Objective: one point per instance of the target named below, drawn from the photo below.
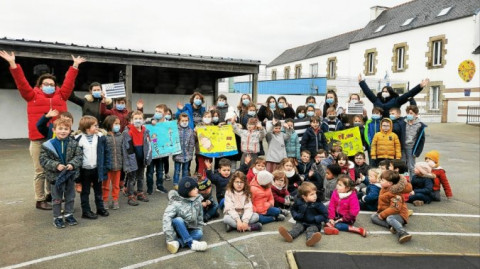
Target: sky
(248, 29)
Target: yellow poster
(349, 139)
(215, 141)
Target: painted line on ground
(432, 214)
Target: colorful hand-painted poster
(216, 141)
(349, 139)
(165, 139)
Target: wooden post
(445, 111)
(128, 85)
(254, 87)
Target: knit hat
(423, 168)
(264, 178)
(204, 184)
(185, 185)
(433, 155)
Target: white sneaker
(173, 246)
(199, 245)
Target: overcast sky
(247, 29)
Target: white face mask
(290, 173)
(385, 94)
(184, 124)
(207, 120)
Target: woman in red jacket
(40, 99)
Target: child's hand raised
(310, 173)
(285, 126)
(208, 164)
(179, 105)
(140, 104)
(52, 113)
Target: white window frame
(331, 69)
(371, 62)
(314, 70)
(437, 47)
(434, 97)
(400, 58)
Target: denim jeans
(89, 179)
(410, 161)
(270, 215)
(135, 177)
(158, 166)
(68, 190)
(420, 196)
(185, 235)
(298, 228)
(184, 167)
(341, 226)
(396, 221)
(210, 210)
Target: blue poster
(165, 139)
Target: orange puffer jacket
(262, 198)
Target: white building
(401, 45)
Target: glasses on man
(48, 84)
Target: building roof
(423, 12)
(319, 48)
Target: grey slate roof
(425, 14)
(322, 47)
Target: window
(286, 72)
(434, 98)
(380, 28)
(314, 70)
(408, 21)
(332, 68)
(370, 64)
(298, 71)
(400, 58)
(437, 53)
(274, 74)
(444, 11)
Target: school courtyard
(132, 237)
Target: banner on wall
(216, 141)
(349, 139)
(164, 138)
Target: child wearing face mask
(206, 121)
(216, 117)
(166, 163)
(372, 126)
(187, 143)
(331, 123)
(385, 144)
(313, 139)
(251, 112)
(331, 101)
(414, 137)
(222, 107)
(194, 109)
(301, 121)
(137, 153)
(115, 145)
(119, 110)
(90, 104)
(276, 140)
(251, 138)
(358, 122)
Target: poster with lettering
(216, 141)
(349, 139)
(165, 139)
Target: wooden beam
(473, 99)
(128, 85)
(456, 90)
(254, 87)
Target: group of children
(297, 176)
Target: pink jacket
(346, 208)
(236, 204)
(262, 198)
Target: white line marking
(431, 233)
(432, 214)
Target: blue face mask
(330, 100)
(48, 89)
(301, 115)
(116, 128)
(272, 106)
(137, 123)
(120, 106)
(392, 117)
(197, 102)
(168, 117)
(281, 105)
(221, 104)
(310, 113)
(251, 113)
(410, 117)
(158, 116)
(311, 104)
(245, 102)
(376, 117)
(97, 94)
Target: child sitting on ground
(348, 168)
(220, 178)
(281, 196)
(368, 199)
(309, 172)
(422, 183)
(331, 177)
(392, 210)
(259, 165)
(332, 157)
(309, 215)
(238, 211)
(361, 167)
(208, 203)
(432, 158)
(287, 165)
(343, 209)
(262, 199)
(183, 217)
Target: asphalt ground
(132, 237)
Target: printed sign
(165, 139)
(216, 141)
(355, 109)
(349, 139)
(114, 90)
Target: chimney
(376, 11)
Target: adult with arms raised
(45, 95)
(388, 98)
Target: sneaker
(280, 217)
(132, 200)
(198, 245)
(141, 197)
(59, 223)
(285, 234)
(410, 212)
(173, 246)
(392, 230)
(418, 203)
(78, 187)
(89, 215)
(404, 237)
(161, 189)
(314, 239)
(115, 205)
(168, 178)
(103, 213)
(255, 227)
(70, 220)
(285, 212)
(228, 228)
(175, 187)
(330, 230)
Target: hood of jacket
(389, 122)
